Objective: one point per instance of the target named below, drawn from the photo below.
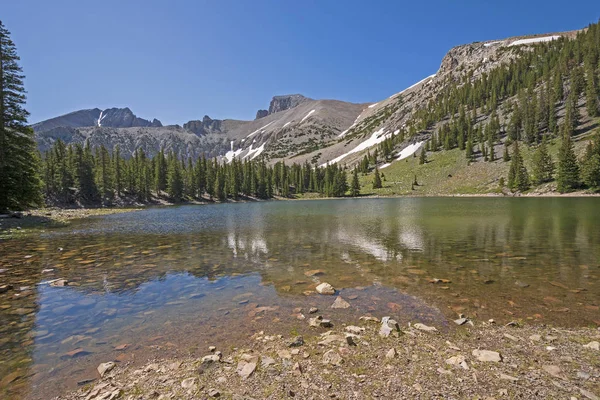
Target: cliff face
(282, 103)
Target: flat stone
(340, 303)
(266, 361)
(460, 321)
(423, 327)
(325, 288)
(297, 342)
(508, 378)
(313, 310)
(521, 284)
(535, 338)
(487, 355)
(553, 370)
(511, 337)
(325, 323)
(357, 330)
(588, 394)
(246, 369)
(59, 283)
(458, 361)
(285, 354)
(188, 383)
(333, 358)
(214, 393)
(211, 358)
(592, 345)
(105, 368)
(391, 354)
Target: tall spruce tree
(377, 179)
(20, 185)
(355, 186)
(543, 167)
(567, 177)
(518, 178)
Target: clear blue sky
(179, 60)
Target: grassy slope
(448, 173)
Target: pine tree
(505, 155)
(591, 94)
(20, 185)
(543, 167)
(377, 179)
(423, 156)
(469, 149)
(355, 186)
(567, 178)
(518, 178)
(174, 178)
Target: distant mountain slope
(296, 128)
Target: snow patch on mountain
(376, 138)
(405, 153)
(373, 105)
(308, 115)
(534, 40)
(258, 130)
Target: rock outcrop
(285, 102)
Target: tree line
(79, 174)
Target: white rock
(487, 355)
(423, 327)
(508, 378)
(245, 369)
(212, 358)
(357, 330)
(105, 368)
(592, 345)
(188, 383)
(332, 357)
(325, 288)
(458, 361)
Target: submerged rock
(340, 303)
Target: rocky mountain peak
(204, 127)
(261, 114)
(285, 102)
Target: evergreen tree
(20, 185)
(355, 186)
(518, 178)
(543, 167)
(377, 179)
(174, 178)
(423, 156)
(505, 155)
(469, 149)
(567, 178)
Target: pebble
(246, 369)
(460, 321)
(508, 378)
(391, 354)
(214, 393)
(297, 342)
(313, 310)
(458, 361)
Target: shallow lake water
(172, 281)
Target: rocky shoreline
(372, 357)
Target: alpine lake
(171, 281)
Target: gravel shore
(373, 358)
